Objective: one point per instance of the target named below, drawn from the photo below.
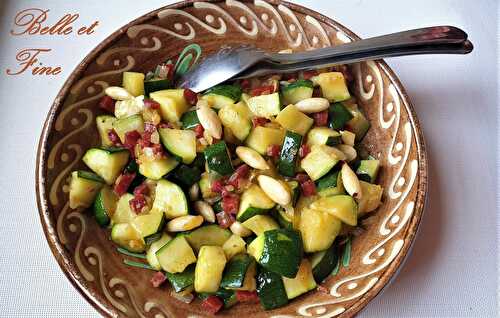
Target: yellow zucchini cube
(294, 120)
(133, 82)
(333, 86)
(318, 229)
(262, 137)
(209, 268)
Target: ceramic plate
(184, 33)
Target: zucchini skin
(155, 84)
(338, 116)
(183, 280)
(326, 265)
(328, 181)
(231, 91)
(235, 271)
(271, 290)
(280, 257)
(289, 154)
(190, 120)
(185, 176)
(218, 159)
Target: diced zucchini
(302, 282)
(218, 159)
(294, 120)
(297, 91)
(260, 223)
(123, 212)
(179, 142)
(320, 161)
(175, 255)
(279, 251)
(153, 248)
(182, 281)
(190, 120)
(249, 282)
(155, 84)
(83, 188)
(233, 246)
(170, 199)
(208, 235)
(127, 237)
(105, 206)
(172, 104)
(107, 163)
(330, 184)
(133, 82)
(148, 225)
(333, 86)
(271, 291)
(104, 125)
(338, 116)
(261, 138)
(185, 176)
(368, 170)
(324, 262)
(294, 187)
(318, 229)
(323, 136)
(284, 220)
(358, 124)
(221, 96)
(289, 154)
(372, 196)
(128, 124)
(236, 117)
(206, 186)
(253, 202)
(341, 206)
(157, 168)
(265, 105)
(236, 269)
(209, 269)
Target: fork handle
(262, 69)
(437, 35)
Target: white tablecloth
(452, 270)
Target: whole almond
(275, 190)
(350, 181)
(209, 120)
(349, 152)
(118, 93)
(239, 229)
(251, 158)
(313, 105)
(205, 210)
(184, 223)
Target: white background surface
(452, 271)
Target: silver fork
(241, 61)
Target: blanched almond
(205, 210)
(251, 158)
(194, 191)
(349, 152)
(118, 93)
(350, 181)
(275, 190)
(209, 120)
(313, 105)
(184, 223)
(239, 229)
